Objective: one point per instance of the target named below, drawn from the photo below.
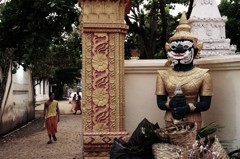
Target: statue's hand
(180, 112)
(177, 101)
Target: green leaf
(52, 4)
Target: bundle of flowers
(208, 148)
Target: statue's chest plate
(190, 82)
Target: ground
(30, 141)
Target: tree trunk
(190, 7)
(164, 25)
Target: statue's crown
(183, 31)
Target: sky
(181, 8)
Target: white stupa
(208, 25)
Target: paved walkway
(30, 141)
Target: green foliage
(130, 43)
(150, 25)
(40, 35)
(71, 52)
(231, 9)
(207, 130)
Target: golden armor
(195, 82)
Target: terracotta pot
(134, 53)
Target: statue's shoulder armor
(163, 73)
(202, 71)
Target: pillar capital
(104, 11)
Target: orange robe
(51, 118)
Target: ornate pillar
(103, 33)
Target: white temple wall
(140, 99)
(42, 91)
(209, 27)
(17, 105)
(212, 30)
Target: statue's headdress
(183, 32)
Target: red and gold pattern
(103, 33)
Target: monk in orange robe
(52, 115)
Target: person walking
(73, 102)
(78, 104)
(51, 114)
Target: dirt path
(30, 142)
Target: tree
(41, 35)
(150, 24)
(65, 58)
(69, 71)
(31, 27)
(231, 9)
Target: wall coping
(219, 63)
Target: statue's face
(181, 52)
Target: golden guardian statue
(184, 90)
